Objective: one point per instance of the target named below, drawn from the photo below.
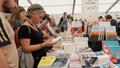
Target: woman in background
(17, 17)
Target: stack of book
(93, 61)
(108, 65)
(68, 39)
(89, 60)
(74, 58)
(111, 33)
(61, 61)
(97, 33)
(104, 24)
(71, 49)
(74, 61)
(75, 65)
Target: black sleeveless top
(36, 37)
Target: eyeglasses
(40, 16)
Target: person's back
(114, 23)
(16, 24)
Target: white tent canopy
(59, 6)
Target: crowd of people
(113, 22)
(26, 36)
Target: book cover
(75, 65)
(108, 65)
(47, 61)
(59, 63)
(113, 51)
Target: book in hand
(56, 39)
(46, 61)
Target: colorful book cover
(47, 61)
(59, 63)
(112, 43)
(110, 29)
(99, 53)
(118, 65)
(89, 61)
(108, 65)
(75, 65)
(112, 50)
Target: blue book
(111, 43)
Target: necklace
(33, 26)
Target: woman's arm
(25, 43)
(3, 61)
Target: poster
(90, 9)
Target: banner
(90, 9)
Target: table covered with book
(100, 50)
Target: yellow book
(47, 61)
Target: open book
(57, 39)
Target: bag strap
(28, 28)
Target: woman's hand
(46, 36)
(48, 43)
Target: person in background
(83, 24)
(100, 19)
(31, 37)
(69, 19)
(63, 22)
(48, 29)
(17, 17)
(113, 21)
(69, 23)
(43, 26)
(51, 28)
(118, 31)
(8, 51)
(72, 18)
(76, 20)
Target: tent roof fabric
(60, 6)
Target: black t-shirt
(36, 37)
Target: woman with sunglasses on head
(31, 37)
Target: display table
(78, 49)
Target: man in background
(8, 51)
(63, 22)
(112, 21)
